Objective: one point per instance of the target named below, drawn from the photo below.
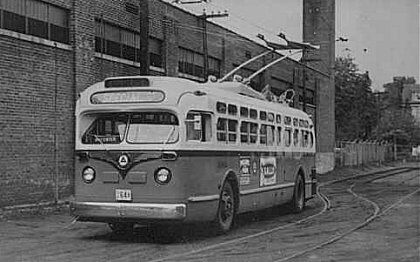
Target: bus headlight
(88, 175)
(163, 175)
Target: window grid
(221, 129)
(116, 41)
(263, 135)
(214, 67)
(191, 63)
(35, 18)
(279, 135)
(156, 53)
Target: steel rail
(327, 206)
(377, 213)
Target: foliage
(355, 113)
(361, 114)
(396, 122)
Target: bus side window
(270, 135)
(232, 110)
(305, 138)
(263, 134)
(198, 126)
(253, 133)
(221, 107)
(296, 137)
(206, 127)
(311, 139)
(253, 114)
(244, 112)
(244, 132)
(278, 119)
(193, 125)
(221, 129)
(232, 129)
(287, 136)
(279, 135)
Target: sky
(383, 34)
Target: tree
(396, 122)
(356, 112)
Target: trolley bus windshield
(137, 128)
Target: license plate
(123, 194)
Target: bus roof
(177, 92)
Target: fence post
(395, 148)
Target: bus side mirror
(197, 122)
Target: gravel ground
(394, 236)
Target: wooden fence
(356, 153)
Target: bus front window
(106, 129)
(153, 127)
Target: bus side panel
(205, 172)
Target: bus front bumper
(100, 211)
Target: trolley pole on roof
(297, 47)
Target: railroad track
(376, 214)
(367, 178)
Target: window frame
(105, 45)
(156, 55)
(31, 21)
(193, 64)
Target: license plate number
(123, 194)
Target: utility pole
(204, 18)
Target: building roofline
(242, 36)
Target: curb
(43, 208)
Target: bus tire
(226, 211)
(121, 228)
(298, 200)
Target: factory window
(35, 18)
(116, 41)
(214, 67)
(310, 97)
(155, 52)
(191, 63)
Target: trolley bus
(153, 150)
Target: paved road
(394, 236)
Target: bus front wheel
(227, 208)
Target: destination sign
(139, 96)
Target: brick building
(411, 100)
(50, 50)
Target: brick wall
(29, 75)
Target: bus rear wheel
(227, 209)
(121, 228)
(298, 201)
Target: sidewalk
(343, 172)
